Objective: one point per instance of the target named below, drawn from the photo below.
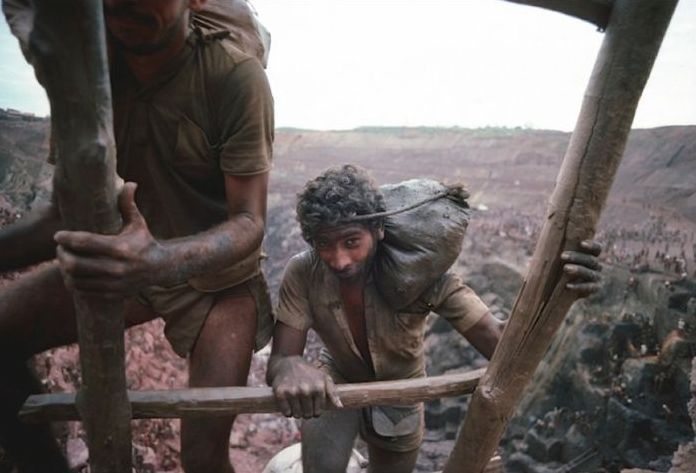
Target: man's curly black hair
(335, 196)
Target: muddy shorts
(185, 309)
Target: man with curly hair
(331, 288)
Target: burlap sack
(238, 18)
(420, 244)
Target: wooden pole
(211, 402)
(633, 38)
(67, 47)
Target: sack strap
(455, 192)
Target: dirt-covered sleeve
(450, 298)
(245, 115)
(293, 300)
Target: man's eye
(322, 244)
(352, 243)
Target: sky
(340, 64)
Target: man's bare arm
(583, 267)
(301, 389)
(485, 334)
(287, 342)
(227, 243)
(30, 240)
(121, 265)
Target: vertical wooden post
(67, 47)
(632, 41)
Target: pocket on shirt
(193, 155)
(395, 421)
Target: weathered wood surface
(67, 48)
(633, 38)
(595, 11)
(495, 465)
(207, 402)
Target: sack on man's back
(238, 18)
(420, 244)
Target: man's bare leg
(221, 357)
(386, 461)
(327, 441)
(36, 313)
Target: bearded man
(193, 120)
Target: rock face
(684, 460)
(612, 391)
(25, 176)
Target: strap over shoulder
(240, 21)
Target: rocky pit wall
(612, 391)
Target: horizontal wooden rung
(210, 402)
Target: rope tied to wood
(454, 192)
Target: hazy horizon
(367, 128)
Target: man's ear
(380, 233)
(196, 5)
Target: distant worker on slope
(193, 119)
(332, 288)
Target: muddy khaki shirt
(310, 298)
(209, 114)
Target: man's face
(347, 249)
(145, 26)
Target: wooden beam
(67, 47)
(632, 41)
(596, 12)
(211, 402)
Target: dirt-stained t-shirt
(310, 297)
(210, 113)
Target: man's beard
(365, 267)
(147, 49)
